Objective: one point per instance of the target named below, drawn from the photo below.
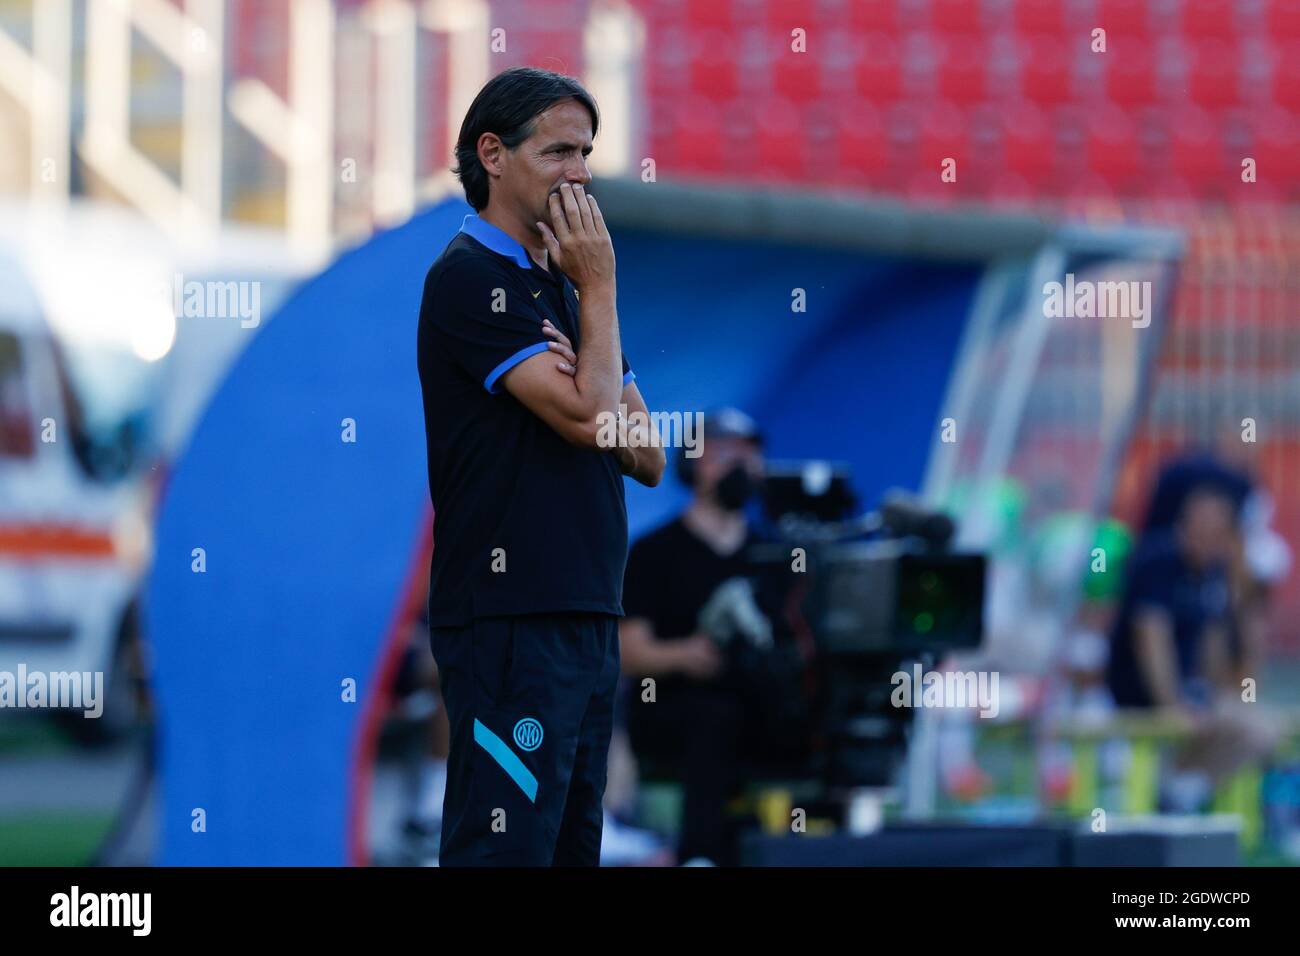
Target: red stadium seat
(1197, 151)
(794, 75)
(1028, 148)
(785, 15)
(798, 12)
(1046, 70)
(874, 16)
(1276, 148)
(697, 137)
(713, 66)
(1123, 18)
(1112, 147)
(1286, 77)
(1130, 79)
(861, 144)
(1283, 19)
(941, 134)
(956, 16)
(1215, 75)
(879, 72)
(1040, 17)
(963, 70)
(739, 139)
(781, 141)
(1209, 19)
(1070, 136)
(710, 14)
(983, 141)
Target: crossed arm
(548, 385)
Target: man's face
(720, 454)
(1207, 529)
(555, 154)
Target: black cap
(728, 422)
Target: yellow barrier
(1146, 732)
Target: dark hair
(508, 105)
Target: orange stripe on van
(53, 541)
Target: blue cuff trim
(490, 383)
(629, 376)
(498, 751)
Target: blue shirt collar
(496, 240)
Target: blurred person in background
(693, 624)
(1171, 647)
(1260, 560)
(417, 699)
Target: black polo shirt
(1159, 577)
(524, 522)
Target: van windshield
(16, 425)
(104, 438)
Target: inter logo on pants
(528, 734)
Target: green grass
(31, 736)
(39, 838)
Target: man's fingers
(564, 351)
(597, 219)
(567, 369)
(549, 240)
(559, 224)
(571, 208)
(559, 336)
(584, 210)
(562, 347)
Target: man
(1263, 558)
(1175, 607)
(1170, 647)
(694, 628)
(521, 370)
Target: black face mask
(734, 488)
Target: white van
(74, 524)
(101, 384)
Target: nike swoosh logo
(537, 293)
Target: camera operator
(693, 625)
